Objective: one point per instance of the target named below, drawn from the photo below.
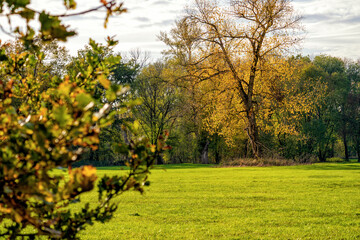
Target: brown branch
(6, 32)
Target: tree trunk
(246, 150)
(205, 153)
(159, 159)
(358, 150)
(322, 155)
(217, 153)
(91, 157)
(345, 144)
(332, 150)
(96, 155)
(253, 134)
(217, 156)
(125, 136)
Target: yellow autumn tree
(230, 51)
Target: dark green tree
(328, 118)
(158, 102)
(353, 105)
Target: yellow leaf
(4, 210)
(88, 171)
(49, 198)
(18, 217)
(104, 81)
(136, 125)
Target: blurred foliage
(51, 25)
(50, 115)
(51, 129)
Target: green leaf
(27, 14)
(84, 99)
(70, 4)
(21, 3)
(51, 28)
(110, 95)
(3, 55)
(61, 116)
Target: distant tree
(353, 105)
(327, 78)
(53, 59)
(156, 112)
(50, 64)
(122, 74)
(287, 98)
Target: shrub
(47, 122)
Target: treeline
(313, 113)
(306, 110)
(226, 89)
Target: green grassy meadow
(320, 201)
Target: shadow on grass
(182, 166)
(316, 166)
(117, 168)
(164, 167)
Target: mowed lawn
(320, 201)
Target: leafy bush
(48, 122)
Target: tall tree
(156, 113)
(353, 105)
(234, 44)
(326, 77)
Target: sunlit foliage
(47, 121)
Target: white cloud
(333, 26)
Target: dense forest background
(309, 109)
(311, 114)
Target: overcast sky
(332, 26)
